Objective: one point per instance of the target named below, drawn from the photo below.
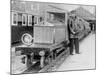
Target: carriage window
(19, 19)
(24, 17)
(35, 20)
(14, 18)
(29, 20)
(41, 19)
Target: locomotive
(44, 34)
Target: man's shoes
(78, 53)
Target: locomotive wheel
(27, 39)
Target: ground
(84, 60)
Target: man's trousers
(74, 42)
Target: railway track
(50, 67)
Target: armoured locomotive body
(48, 41)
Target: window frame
(12, 19)
(36, 20)
(29, 17)
(24, 15)
(19, 20)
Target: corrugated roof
(53, 8)
(83, 13)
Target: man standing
(73, 34)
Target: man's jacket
(73, 28)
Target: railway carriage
(21, 23)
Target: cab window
(50, 17)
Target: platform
(84, 60)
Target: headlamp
(41, 53)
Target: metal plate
(49, 34)
(43, 34)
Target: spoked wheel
(27, 39)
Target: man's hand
(74, 33)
